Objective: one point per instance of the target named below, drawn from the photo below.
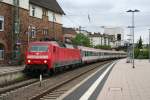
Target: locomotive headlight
(45, 61)
(29, 61)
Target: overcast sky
(110, 13)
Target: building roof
(101, 35)
(69, 31)
(96, 35)
(48, 4)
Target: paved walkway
(126, 83)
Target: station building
(23, 21)
(101, 39)
(118, 34)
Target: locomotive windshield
(38, 48)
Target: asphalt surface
(77, 94)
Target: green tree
(81, 39)
(107, 47)
(140, 43)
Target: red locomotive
(49, 56)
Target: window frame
(2, 20)
(33, 32)
(45, 31)
(33, 11)
(45, 12)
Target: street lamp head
(133, 10)
(129, 11)
(136, 10)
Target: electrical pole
(54, 25)
(149, 45)
(130, 47)
(16, 20)
(16, 28)
(80, 29)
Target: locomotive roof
(55, 43)
(45, 43)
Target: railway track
(56, 84)
(57, 93)
(59, 89)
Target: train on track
(50, 56)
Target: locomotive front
(38, 57)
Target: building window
(1, 23)
(33, 32)
(45, 31)
(105, 41)
(33, 11)
(54, 17)
(45, 12)
(16, 2)
(1, 52)
(118, 37)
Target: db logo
(37, 53)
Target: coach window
(90, 53)
(85, 53)
(1, 23)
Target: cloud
(107, 13)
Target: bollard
(40, 80)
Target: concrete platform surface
(126, 83)
(9, 69)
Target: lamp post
(130, 41)
(129, 51)
(149, 45)
(133, 11)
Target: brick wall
(43, 23)
(5, 36)
(6, 10)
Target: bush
(141, 54)
(136, 52)
(103, 47)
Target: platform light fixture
(133, 26)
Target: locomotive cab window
(38, 48)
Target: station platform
(116, 81)
(126, 83)
(10, 69)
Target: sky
(93, 14)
